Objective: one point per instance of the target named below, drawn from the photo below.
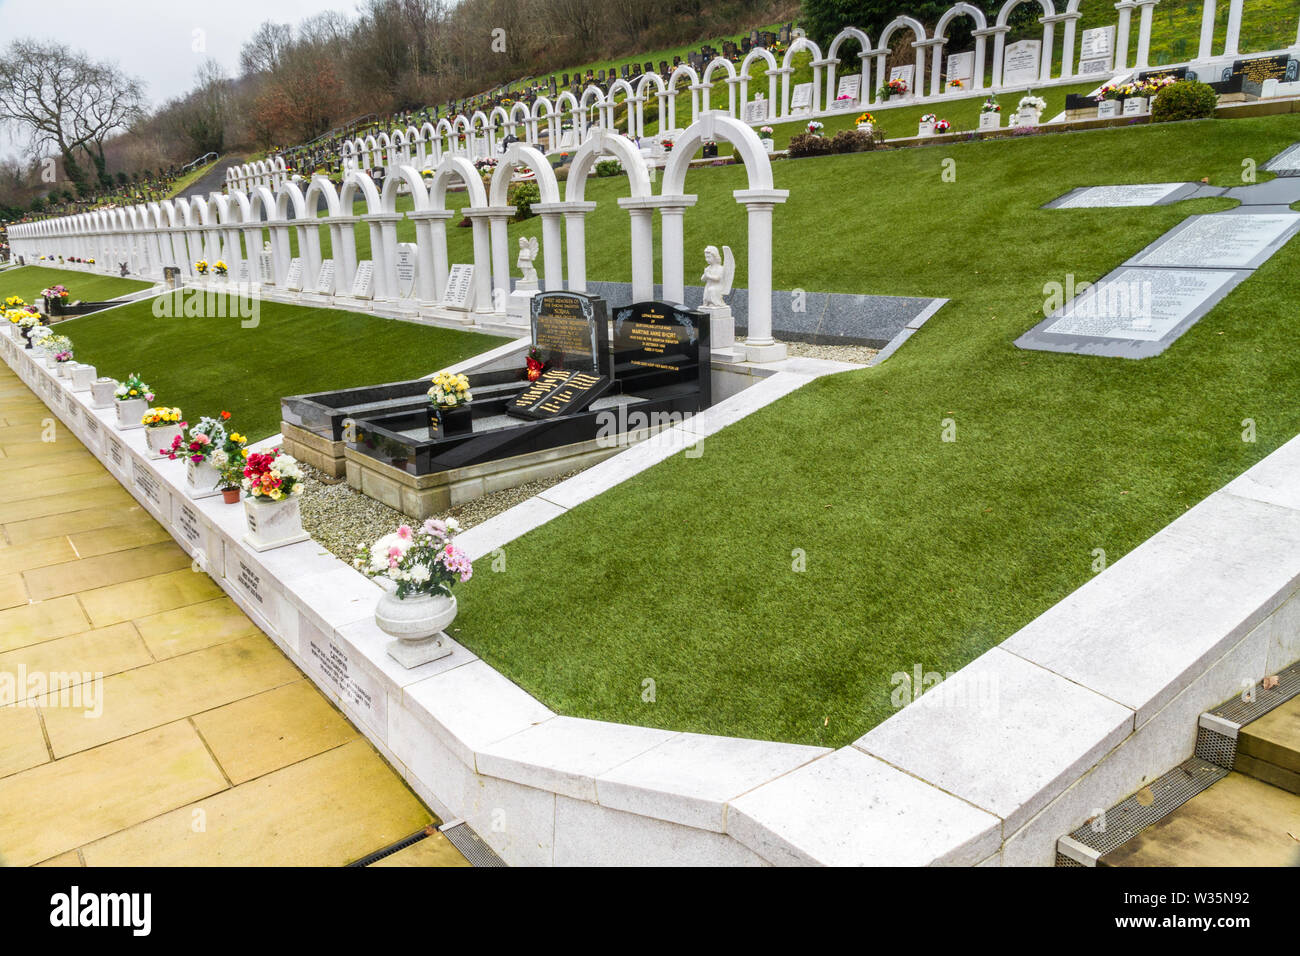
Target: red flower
(225, 416)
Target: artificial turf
(28, 281)
(917, 551)
(206, 364)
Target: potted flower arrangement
(15, 302)
(955, 84)
(161, 427)
(866, 122)
(1029, 110)
(55, 297)
(1109, 101)
(272, 484)
(220, 269)
(40, 336)
(815, 128)
(201, 267)
(895, 87)
(203, 449)
(449, 411)
(61, 347)
(231, 466)
(991, 114)
(27, 326)
(417, 568)
(132, 398)
(942, 126)
(667, 145)
(926, 126)
(844, 101)
(765, 134)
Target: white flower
(419, 574)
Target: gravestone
(1286, 163)
(1146, 194)
(1234, 241)
(848, 86)
(658, 344)
(756, 111)
(570, 334)
(1020, 62)
(663, 67)
(1097, 51)
(293, 281)
(325, 278)
(746, 45)
(243, 270)
(648, 66)
(801, 97)
(459, 292)
(265, 269)
(1177, 72)
(1257, 69)
(906, 74)
(961, 66)
(406, 269)
(363, 283)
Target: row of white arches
(232, 227)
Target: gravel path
(859, 354)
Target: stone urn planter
(83, 377)
(202, 480)
(446, 420)
(63, 369)
(1108, 109)
(272, 524)
(101, 392)
(129, 413)
(417, 622)
(159, 439)
(769, 144)
(866, 128)
(1137, 106)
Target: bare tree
(266, 48)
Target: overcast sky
(154, 40)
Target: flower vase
(83, 377)
(159, 439)
(769, 144)
(201, 479)
(62, 369)
(418, 622)
(1108, 109)
(446, 421)
(130, 412)
(272, 524)
(1136, 106)
(101, 392)
(865, 128)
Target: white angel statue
(527, 258)
(719, 273)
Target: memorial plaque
(570, 331)
(265, 269)
(801, 96)
(848, 86)
(325, 278)
(1097, 50)
(347, 679)
(117, 454)
(405, 269)
(293, 281)
(1177, 72)
(243, 270)
(906, 74)
(363, 284)
(756, 111)
(1091, 197)
(961, 66)
(147, 484)
(1020, 62)
(660, 344)
(1256, 70)
(558, 392)
(1221, 241)
(459, 293)
(1286, 163)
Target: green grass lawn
(28, 281)
(918, 551)
(204, 365)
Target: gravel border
(858, 354)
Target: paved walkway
(181, 735)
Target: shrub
(1187, 99)
(609, 167)
(522, 196)
(852, 141)
(806, 144)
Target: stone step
(1269, 748)
(1239, 821)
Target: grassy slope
(918, 551)
(204, 365)
(28, 282)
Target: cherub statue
(718, 276)
(527, 256)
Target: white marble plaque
(801, 96)
(961, 66)
(265, 270)
(1146, 194)
(459, 293)
(293, 281)
(117, 454)
(186, 520)
(406, 269)
(1141, 305)
(363, 284)
(325, 278)
(352, 683)
(1020, 62)
(906, 74)
(1096, 50)
(243, 270)
(1221, 241)
(1288, 161)
(849, 86)
(147, 484)
(756, 111)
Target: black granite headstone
(1260, 68)
(658, 345)
(570, 331)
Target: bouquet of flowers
(815, 128)
(895, 87)
(667, 144)
(991, 105)
(204, 441)
(133, 387)
(1031, 102)
(26, 321)
(55, 292)
(942, 126)
(929, 118)
(765, 132)
(14, 302)
(162, 417)
(419, 560)
(230, 460)
(272, 475)
(220, 268)
(450, 389)
(955, 84)
(61, 346)
(1153, 86)
(865, 119)
(201, 267)
(533, 365)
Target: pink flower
(404, 532)
(432, 526)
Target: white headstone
(1096, 50)
(406, 269)
(756, 111)
(801, 96)
(848, 86)
(363, 284)
(325, 278)
(243, 270)
(1020, 62)
(265, 268)
(293, 281)
(906, 74)
(459, 293)
(961, 66)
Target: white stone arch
(479, 126)
(759, 199)
(1048, 20)
(730, 78)
(683, 72)
(646, 81)
(521, 155)
(427, 148)
(764, 54)
(833, 63)
(360, 183)
(544, 109)
(593, 97)
(611, 108)
(457, 168)
(639, 205)
(919, 38)
(291, 212)
(804, 44)
(980, 31)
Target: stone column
(759, 344)
(431, 242)
(733, 82)
(1125, 8)
(484, 258)
(919, 72)
(1071, 21)
(1233, 41)
(383, 226)
(999, 46)
(641, 211)
(937, 47)
(981, 49)
(574, 244)
(1049, 38)
(1206, 48)
(671, 211)
(499, 217)
(1145, 7)
(783, 104)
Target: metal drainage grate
(393, 848)
(1129, 817)
(471, 845)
